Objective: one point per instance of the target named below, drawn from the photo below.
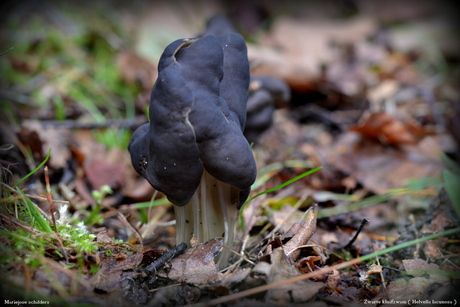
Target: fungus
(265, 94)
(193, 150)
(217, 25)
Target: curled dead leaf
(304, 230)
(333, 280)
(196, 266)
(282, 268)
(387, 129)
(374, 269)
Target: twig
(241, 255)
(50, 201)
(173, 253)
(39, 197)
(382, 277)
(50, 198)
(17, 223)
(363, 222)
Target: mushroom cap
(218, 25)
(265, 94)
(197, 114)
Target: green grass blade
(369, 201)
(409, 243)
(411, 187)
(30, 206)
(450, 164)
(452, 186)
(148, 204)
(266, 173)
(36, 169)
(287, 182)
(6, 51)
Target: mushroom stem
(214, 210)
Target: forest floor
(358, 169)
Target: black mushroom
(193, 150)
(265, 94)
(218, 25)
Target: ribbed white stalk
(211, 213)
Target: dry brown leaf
(136, 70)
(419, 265)
(333, 280)
(40, 139)
(387, 129)
(442, 221)
(99, 173)
(417, 287)
(284, 218)
(380, 168)
(295, 50)
(196, 266)
(374, 269)
(282, 268)
(414, 288)
(303, 232)
(114, 261)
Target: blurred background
(77, 78)
(366, 89)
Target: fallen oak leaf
(419, 267)
(196, 266)
(40, 138)
(166, 257)
(115, 259)
(283, 268)
(387, 129)
(425, 276)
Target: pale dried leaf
(295, 50)
(419, 267)
(302, 235)
(196, 266)
(380, 168)
(414, 288)
(57, 139)
(282, 268)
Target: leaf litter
(371, 113)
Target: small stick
(363, 222)
(173, 253)
(49, 198)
